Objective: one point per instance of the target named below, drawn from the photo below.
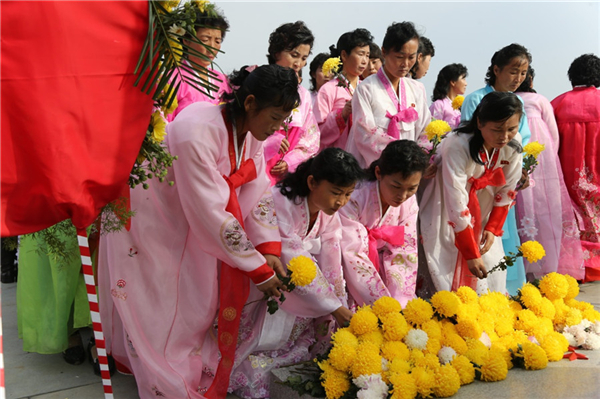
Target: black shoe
(74, 355)
(93, 357)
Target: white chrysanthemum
(586, 324)
(571, 338)
(416, 339)
(596, 327)
(485, 339)
(372, 387)
(446, 354)
(592, 342)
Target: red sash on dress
(491, 177)
(404, 114)
(391, 234)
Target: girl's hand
(275, 263)
(280, 168)
(271, 287)
(347, 110)
(430, 171)
(487, 239)
(285, 146)
(524, 182)
(477, 268)
(342, 315)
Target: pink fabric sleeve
(204, 194)
(261, 225)
(272, 144)
(330, 120)
(437, 109)
(548, 117)
(308, 144)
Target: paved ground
(30, 375)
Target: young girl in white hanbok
(196, 248)
(379, 248)
(465, 205)
(451, 82)
(289, 46)
(306, 203)
(333, 107)
(387, 106)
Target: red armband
(261, 274)
(467, 244)
(270, 248)
(496, 220)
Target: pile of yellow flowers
(433, 348)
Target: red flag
(72, 122)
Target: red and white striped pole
(88, 273)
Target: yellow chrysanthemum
(534, 356)
(430, 361)
(385, 305)
(433, 346)
(505, 353)
(176, 49)
(591, 315)
(342, 356)
(364, 321)
(494, 368)
(455, 342)
(573, 288)
(344, 337)
(436, 129)
(374, 337)
(398, 365)
(424, 380)
(544, 308)
(448, 327)
(561, 310)
(471, 310)
(447, 382)
(494, 303)
(532, 251)
(391, 350)
(415, 356)
(473, 343)
(503, 326)
(533, 148)
(169, 5)
(159, 125)
(554, 286)
(335, 382)
(530, 295)
(404, 386)
(417, 311)
(468, 328)
(477, 355)
(526, 321)
(331, 65)
(367, 360)
(583, 306)
(516, 306)
(458, 102)
(487, 322)
(465, 369)
(555, 345)
(543, 327)
(573, 317)
(433, 329)
(445, 303)
(394, 326)
(303, 270)
(466, 294)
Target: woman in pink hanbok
(451, 82)
(306, 203)
(333, 108)
(289, 46)
(547, 214)
(387, 106)
(379, 246)
(317, 78)
(210, 30)
(195, 248)
(465, 205)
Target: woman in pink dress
(379, 245)
(333, 108)
(195, 248)
(451, 82)
(317, 78)
(578, 118)
(289, 47)
(547, 214)
(306, 203)
(210, 30)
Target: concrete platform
(31, 375)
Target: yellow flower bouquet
(530, 250)
(531, 153)
(301, 272)
(332, 66)
(458, 102)
(436, 131)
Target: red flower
(465, 213)
(452, 224)
(498, 197)
(121, 283)
(512, 194)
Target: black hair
(400, 156)
(271, 85)
(585, 71)
(349, 40)
(449, 73)
(332, 164)
(425, 49)
(287, 37)
(496, 106)
(375, 52)
(502, 58)
(315, 64)
(527, 85)
(398, 34)
(211, 20)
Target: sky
(464, 32)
